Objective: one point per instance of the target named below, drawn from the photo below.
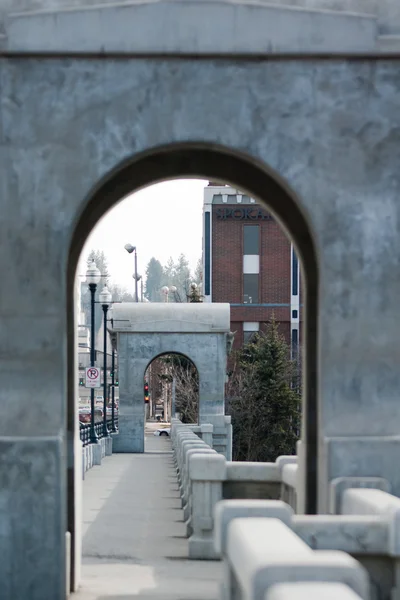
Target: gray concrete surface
(346, 17)
(78, 134)
(192, 27)
(134, 545)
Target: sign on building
(93, 377)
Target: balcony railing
(85, 430)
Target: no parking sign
(92, 377)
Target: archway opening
(171, 390)
(258, 182)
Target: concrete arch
(166, 353)
(145, 331)
(217, 162)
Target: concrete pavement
(134, 544)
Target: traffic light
(81, 381)
(146, 392)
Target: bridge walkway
(134, 544)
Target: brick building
(249, 262)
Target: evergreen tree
(198, 272)
(169, 272)
(177, 274)
(181, 278)
(154, 280)
(265, 409)
(120, 294)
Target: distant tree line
(173, 273)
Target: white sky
(162, 220)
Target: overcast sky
(162, 220)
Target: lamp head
(93, 274)
(105, 296)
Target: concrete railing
(289, 483)
(260, 553)
(93, 454)
(311, 591)
(215, 492)
(206, 477)
(217, 433)
(369, 531)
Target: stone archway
(213, 161)
(145, 331)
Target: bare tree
(183, 371)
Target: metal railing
(85, 430)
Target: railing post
(207, 473)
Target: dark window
(294, 314)
(207, 243)
(250, 288)
(295, 269)
(251, 235)
(248, 335)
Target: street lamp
(93, 277)
(113, 428)
(129, 248)
(165, 292)
(105, 298)
(139, 278)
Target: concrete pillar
(131, 402)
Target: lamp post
(105, 299)
(166, 291)
(137, 278)
(129, 248)
(93, 276)
(113, 428)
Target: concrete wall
(330, 130)
(193, 27)
(32, 18)
(372, 7)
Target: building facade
(249, 262)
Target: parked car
(84, 415)
(166, 431)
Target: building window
(247, 335)
(294, 314)
(249, 330)
(250, 288)
(295, 273)
(251, 239)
